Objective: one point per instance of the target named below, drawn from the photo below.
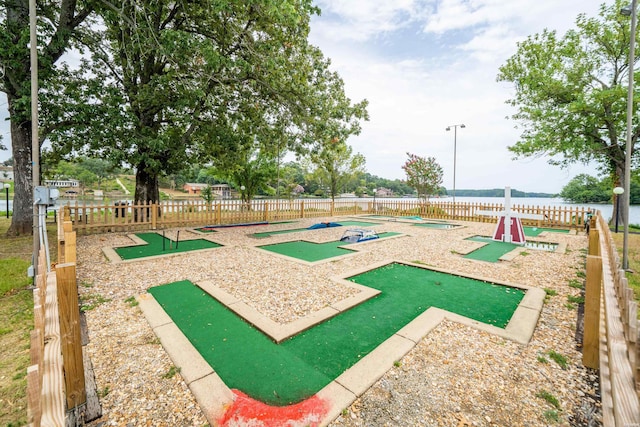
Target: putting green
(154, 246)
(536, 231)
(492, 251)
(439, 225)
(293, 230)
(299, 367)
(312, 252)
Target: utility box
(45, 195)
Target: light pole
(6, 192)
(629, 10)
(618, 191)
(455, 141)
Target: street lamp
(6, 192)
(455, 138)
(629, 10)
(618, 191)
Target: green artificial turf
(492, 251)
(440, 225)
(308, 251)
(312, 252)
(273, 233)
(536, 231)
(294, 370)
(358, 223)
(293, 230)
(154, 246)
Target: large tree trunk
(147, 190)
(22, 219)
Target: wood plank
(71, 342)
(591, 340)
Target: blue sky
(427, 64)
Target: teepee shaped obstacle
(509, 228)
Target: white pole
(507, 214)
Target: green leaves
(423, 174)
(570, 92)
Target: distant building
(384, 192)
(194, 188)
(62, 183)
(220, 190)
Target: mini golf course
(159, 245)
(294, 230)
(312, 252)
(289, 372)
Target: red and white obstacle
(509, 228)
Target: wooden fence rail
(56, 376)
(123, 216)
(617, 329)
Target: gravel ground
(457, 376)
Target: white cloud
(417, 85)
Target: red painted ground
(251, 412)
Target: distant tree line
(497, 192)
(585, 188)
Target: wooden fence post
(70, 247)
(591, 336)
(70, 340)
(594, 242)
(154, 216)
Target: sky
(424, 65)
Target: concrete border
(214, 396)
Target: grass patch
(551, 416)
(634, 260)
(576, 284)
(573, 299)
(549, 398)
(542, 359)
(550, 292)
(173, 370)
(16, 321)
(558, 358)
(90, 301)
(132, 301)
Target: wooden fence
(56, 392)
(89, 218)
(611, 329)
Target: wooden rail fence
(56, 383)
(120, 216)
(611, 329)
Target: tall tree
(424, 174)
(570, 93)
(335, 164)
(58, 26)
(184, 79)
